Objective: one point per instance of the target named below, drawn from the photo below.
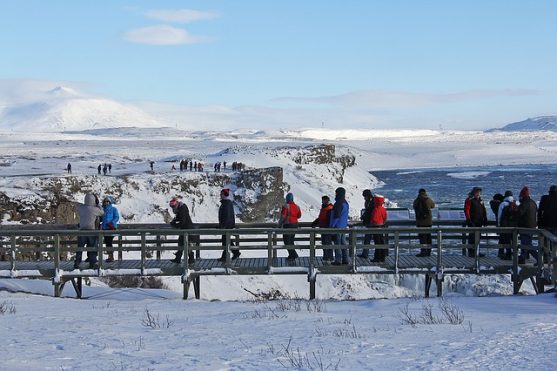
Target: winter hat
(289, 197)
(225, 192)
(422, 191)
(500, 197)
(476, 189)
(508, 193)
(367, 193)
(173, 203)
(553, 189)
(108, 199)
(524, 192)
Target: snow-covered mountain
(542, 123)
(63, 108)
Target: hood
(378, 200)
(524, 192)
(509, 199)
(89, 199)
(340, 193)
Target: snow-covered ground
(110, 331)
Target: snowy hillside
(542, 123)
(62, 108)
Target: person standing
(88, 213)
(424, 219)
(547, 212)
(227, 220)
(366, 220)
(339, 219)
(182, 220)
(105, 169)
(289, 215)
(109, 222)
(109, 168)
(99, 169)
(494, 205)
(507, 216)
(476, 216)
(69, 168)
(378, 220)
(527, 212)
(323, 221)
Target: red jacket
(290, 213)
(379, 213)
(324, 215)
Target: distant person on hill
(99, 168)
(151, 165)
(527, 218)
(339, 219)
(227, 220)
(507, 216)
(191, 165)
(105, 169)
(422, 208)
(547, 213)
(224, 165)
(109, 222)
(88, 213)
(289, 215)
(109, 168)
(323, 221)
(182, 220)
(366, 220)
(476, 216)
(69, 168)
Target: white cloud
(163, 35)
(180, 15)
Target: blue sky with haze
(289, 63)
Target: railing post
(143, 252)
(353, 248)
(227, 249)
(120, 252)
(540, 286)
(275, 252)
(269, 251)
(100, 243)
(397, 252)
(159, 244)
(311, 271)
(13, 255)
(57, 279)
(185, 250)
(477, 250)
(439, 278)
(515, 277)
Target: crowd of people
(335, 215)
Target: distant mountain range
(542, 123)
(65, 109)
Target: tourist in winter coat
(289, 215)
(494, 205)
(507, 216)
(339, 219)
(527, 213)
(422, 208)
(227, 220)
(109, 222)
(88, 213)
(182, 220)
(547, 213)
(476, 216)
(323, 221)
(378, 220)
(366, 218)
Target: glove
(110, 226)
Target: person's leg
(365, 251)
(92, 255)
(343, 243)
(180, 250)
(108, 243)
(326, 240)
(78, 254)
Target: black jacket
(368, 209)
(547, 213)
(182, 219)
(527, 211)
(226, 215)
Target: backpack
(509, 215)
(421, 210)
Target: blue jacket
(110, 217)
(339, 214)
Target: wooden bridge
(42, 251)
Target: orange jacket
(290, 213)
(379, 213)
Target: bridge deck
(406, 264)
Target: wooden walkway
(263, 243)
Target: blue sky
(456, 64)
